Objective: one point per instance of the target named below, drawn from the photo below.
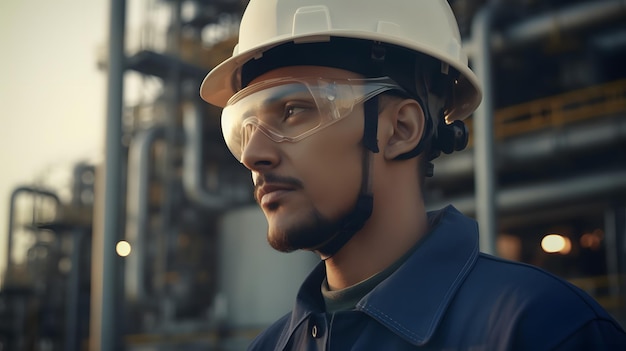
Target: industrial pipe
(548, 193)
(541, 145)
(485, 177)
(14, 195)
(193, 184)
(104, 326)
(570, 18)
(137, 205)
(573, 17)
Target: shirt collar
(428, 279)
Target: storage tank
(258, 285)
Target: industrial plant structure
(162, 247)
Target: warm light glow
(509, 246)
(554, 243)
(123, 248)
(592, 240)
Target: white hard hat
(425, 26)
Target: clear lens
(290, 109)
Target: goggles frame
(317, 102)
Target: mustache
(271, 178)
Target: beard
(307, 235)
(312, 233)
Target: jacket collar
(429, 279)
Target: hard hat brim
(224, 80)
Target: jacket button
(314, 331)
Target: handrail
(555, 111)
(558, 110)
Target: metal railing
(558, 110)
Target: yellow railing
(556, 111)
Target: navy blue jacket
(449, 296)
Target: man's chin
(307, 236)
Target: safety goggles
(291, 109)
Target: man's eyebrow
(286, 91)
(252, 108)
(280, 95)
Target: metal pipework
(541, 145)
(548, 193)
(480, 48)
(14, 195)
(570, 18)
(485, 177)
(137, 204)
(72, 341)
(104, 326)
(612, 249)
(193, 185)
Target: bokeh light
(556, 243)
(123, 248)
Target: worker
(338, 107)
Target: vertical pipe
(484, 173)
(73, 294)
(611, 247)
(137, 211)
(172, 91)
(10, 231)
(104, 333)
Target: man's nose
(260, 152)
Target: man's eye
(295, 110)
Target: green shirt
(347, 298)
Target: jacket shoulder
(535, 284)
(269, 338)
(545, 309)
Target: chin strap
(362, 211)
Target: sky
(52, 94)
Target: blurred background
(125, 224)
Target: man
(337, 108)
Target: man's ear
(407, 118)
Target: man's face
(306, 187)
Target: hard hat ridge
(426, 27)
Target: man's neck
(387, 235)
